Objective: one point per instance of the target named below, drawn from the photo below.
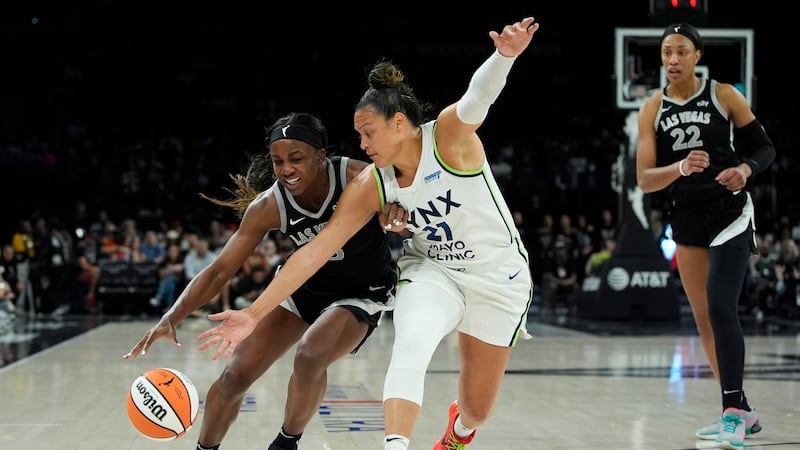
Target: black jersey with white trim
(363, 267)
(697, 123)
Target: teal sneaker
(752, 426)
(732, 431)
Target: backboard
(638, 71)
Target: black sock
(286, 440)
(731, 399)
(202, 447)
(745, 406)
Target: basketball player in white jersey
(464, 268)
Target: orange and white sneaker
(450, 441)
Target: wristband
(484, 88)
(680, 168)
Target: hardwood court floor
(581, 385)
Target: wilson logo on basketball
(150, 402)
(162, 404)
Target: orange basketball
(163, 404)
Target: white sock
(460, 430)
(395, 442)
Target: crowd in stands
(49, 267)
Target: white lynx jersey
(459, 218)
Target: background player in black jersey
(685, 145)
(328, 318)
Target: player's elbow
(645, 184)
(646, 188)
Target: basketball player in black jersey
(685, 146)
(329, 316)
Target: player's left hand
(393, 217)
(236, 325)
(733, 178)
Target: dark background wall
(134, 107)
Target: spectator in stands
(197, 259)
(522, 227)
(566, 231)
(606, 229)
(246, 287)
(174, 234)
(256, 258)
(61, 269)
(103, 225)
(285, 246)
(131, 249)
(188, 238)
(762, 271)
(89, 257)
(171, 278)
(271, 254)
(218, 234)
(27, 273)
(585, 226)
(542, 245)
(787, 275)
(561, 278)
(583, 235)
(151, 248)
(598, 258)
(40, 264)
(7, 296)
(9, 268)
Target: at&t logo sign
(619, 279)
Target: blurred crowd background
(115, 116)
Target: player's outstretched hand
(514, 38)
(163, 329)
(236, 325)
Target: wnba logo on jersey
(432, 177)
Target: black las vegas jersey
(698, 123)
(362, 268)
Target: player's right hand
(235, 327)
(163, 329)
